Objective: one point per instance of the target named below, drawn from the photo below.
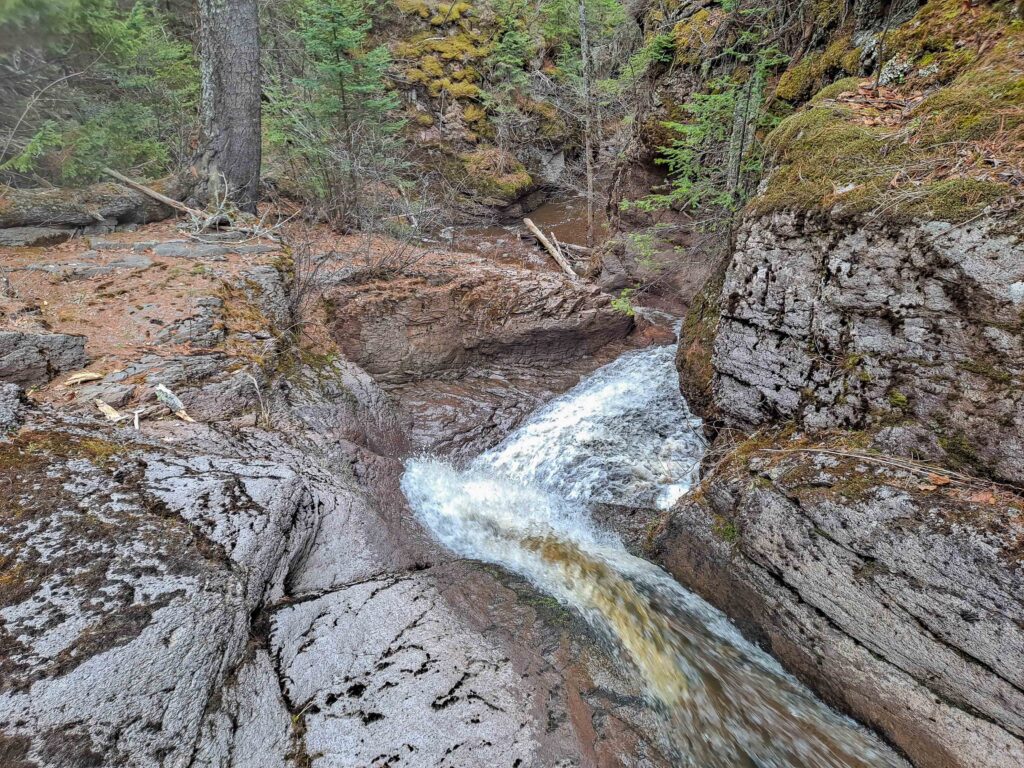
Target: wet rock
(27, 237)
(33, 359)
(850, 324)
(900, 606)
(280, 602)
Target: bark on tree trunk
(587, 118)
(228, 163)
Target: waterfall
(624, 435)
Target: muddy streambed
(565, 218)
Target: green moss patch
(817, 69)
(496, 173)
(909, 154)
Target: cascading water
(624, 435)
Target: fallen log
(550, 248)
(105, 203)
(578, 248)
(158, 196)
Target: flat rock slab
(386, 673)
(76, 270)
(33, 359)
(186, 250)
(29, 237)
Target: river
(624, 435)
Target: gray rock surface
(11, 407)
(853, 324)
(27, 237)
(203, 329)
(407, 681)
(76, 270)
(900, 606)
(31, 359)
(186, 249)
(195, 595)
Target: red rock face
(469, 347)
(453, 313)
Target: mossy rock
(414, 7)
(551, 124)
(432, 66)
(693, 35)
(838, 88)
(829, 157)
(496, 173)
(945, 38)
(449, 13)
(455, 89)
(816, 69)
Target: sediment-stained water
(624, 435)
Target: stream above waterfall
(624, 435)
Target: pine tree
(229, 158)
(346, 115)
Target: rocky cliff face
(469, 347)
(860, 356)
(857, 325)
(858, 533)
(901, 606)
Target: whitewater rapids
(624, 435)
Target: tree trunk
(229, 157)
(587, 118)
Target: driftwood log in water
(550, 248)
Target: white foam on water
(625, 436)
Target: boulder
(33, 358)
(469, 346)
(450, 313)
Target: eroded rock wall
(855, 325)
(898, 605)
